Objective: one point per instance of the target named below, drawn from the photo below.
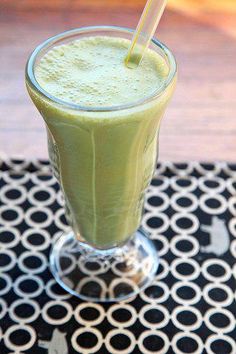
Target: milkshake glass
(104, 159)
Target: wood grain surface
(200, 121)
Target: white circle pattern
(160, 298)
(184, 327)
(181, 195)
(24, 278)
(165, 269)
(163, 183)
(13, 201)
(124, 332)
(7, 280)
(231, 185)
(202, 182)
(80, 331)
(214, 337)
(165, 244)
(177, 252)
(126, 307)
(178, 261)
(11, 208)
(35, 232)
(194, 300)
(214, 328)
(55, 295)
(44, 211)
(21, 327)
(157, 308)
(22, 178)
(14, 232)
(193, 336)
(11, 256)
(79, 318)
(35, 255)
(16, 318)
(213, 211)
(212, 262)
(155, 333)
(39, 189)
(191, 181)
(159, 208)
(164, 222)
(153, 314)
(58, 222)
(178, 216)
(57, 321)
(226, 289)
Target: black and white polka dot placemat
(190, 307)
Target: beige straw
(144, 32)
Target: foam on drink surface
(103, 165)
(91, 72)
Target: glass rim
(30, 76)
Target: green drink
(103, 122)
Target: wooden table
(200, 121)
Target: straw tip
(132, 61)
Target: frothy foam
(91, 72)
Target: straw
(144, 32)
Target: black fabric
(190, 213)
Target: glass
(103, 159)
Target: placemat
(190, 213)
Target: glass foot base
(104, 275)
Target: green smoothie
(103, 157)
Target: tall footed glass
(103, 159)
